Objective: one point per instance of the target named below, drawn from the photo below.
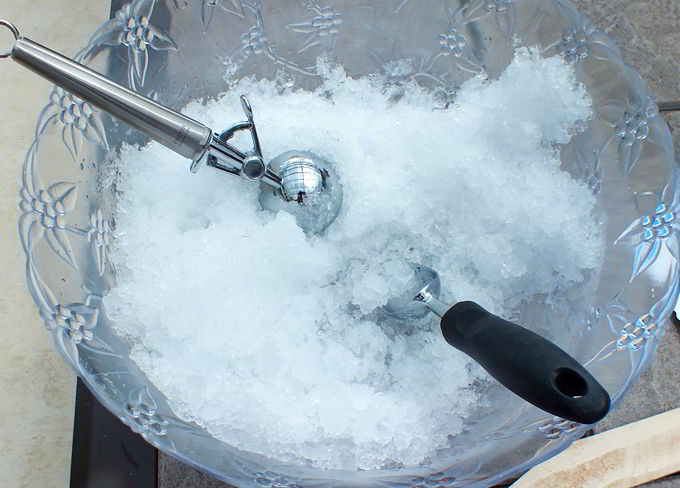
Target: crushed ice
(261, 334)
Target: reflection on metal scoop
(524, 362)
(309, 189)
(191, 139)
(421, 297)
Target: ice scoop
(524, 362)
(299, 181)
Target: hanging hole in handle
(15, 32)
(570, 383)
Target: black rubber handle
(526, 363)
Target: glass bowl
(177, 51)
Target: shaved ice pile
(269, 338)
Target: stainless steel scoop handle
(178, 132)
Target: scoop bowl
(424, 282)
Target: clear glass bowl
(176, 50)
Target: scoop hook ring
(14, 31)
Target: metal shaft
(434, 304)
(178, 132)
(175, 131)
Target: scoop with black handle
(524, 362)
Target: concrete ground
(648, 33)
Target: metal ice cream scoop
(302, 182)
(526, 363)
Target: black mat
(106, 453)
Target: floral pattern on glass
(634, 330)
(588, 165)
(503, 10)
(75, 118)
(44, 213)
(75, 319)
(326, 22)
(631, 330)
(442, 70)
(399, 73)
(631, 127)
(655, 230)
(582, 41)
(99, 236)
(131, 27)
(557, 427)
(453, 44)
(140, 415)
(255, 41)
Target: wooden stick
(619, 458)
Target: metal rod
(434, 304)
(176, 131)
